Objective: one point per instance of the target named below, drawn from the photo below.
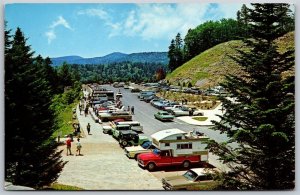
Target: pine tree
(178, 50)
(171, 55)
(31, 158)
(262, 120)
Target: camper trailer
(175, 147)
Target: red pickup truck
(161, 158)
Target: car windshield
(164, 113)
(190, 175)
(146, 145)
(156, 151)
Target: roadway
(144, 113)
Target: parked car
(185, 111)
(134, 125)
(163, 116)
(169, 105)
(107, 129)
(193, 179)
(154, 100)
(110, 116)
(116, 129)
(149, 98)
(131, 138)
(134, 151)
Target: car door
(165, 158)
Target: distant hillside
(208, 68)
(150, 57)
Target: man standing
(132, 110)
(68, 143)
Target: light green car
(193, 179)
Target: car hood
(177, 180)
(134, 148)
(148, 156)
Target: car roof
(201, 171)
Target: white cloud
(103, 15)
(60, 21)
(94, 12)
(51, 35)
(160, 21)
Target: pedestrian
(128, 109)
(80, 109)
(185, 101)
(132, 110)
(88, 128)
(78, 145)
(68, 143)
(86, 111)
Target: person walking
(69, 144)
(88, 128)
(86, 111)
(128, 109)
(78, 145)
(132, 110)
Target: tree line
(122, 71)
(31, 156)
(211, 33)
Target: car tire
(135, 156)
(124, 143)
(151, 166)
(186, 164)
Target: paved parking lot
(104, 165)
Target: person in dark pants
(86, 111)
(132, 110)
(88, 128)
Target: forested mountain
(116, 57)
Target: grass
(200, 118)
(57, 186)
(212, 65)
(65, 120)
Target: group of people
(86, 109)
(69, 140)
(69, 145)
(130, 109)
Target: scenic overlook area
(149, 97)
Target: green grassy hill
(208, 68)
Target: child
(78, 144)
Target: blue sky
(91, 30)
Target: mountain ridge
(115, 57)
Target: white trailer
(181, 143)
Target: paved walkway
(210, 114)
(104, 165)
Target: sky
(93, 30)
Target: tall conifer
(261, 120)
(31, 158)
